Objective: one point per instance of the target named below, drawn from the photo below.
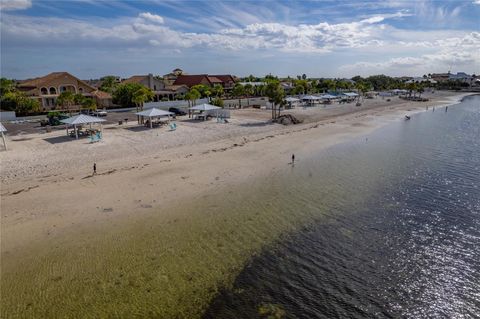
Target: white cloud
(322, 37)
(15, 4)
(390, 49)
(476, 2)
(148, 30)
(446, 54)
(149, 17)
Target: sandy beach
(49, 198)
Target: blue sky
(92, 38)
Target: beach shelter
(310, 99)
(2, 130)
(154, 112)
(350, 96)
(291, 100)
(328, 97)
(80, 119)
(204, 107)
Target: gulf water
(399, 235)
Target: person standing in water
(446, 109)
(293, 159)
(94, 168)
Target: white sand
(47, 187)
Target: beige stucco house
(47, 89)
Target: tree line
(135, 94)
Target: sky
(93, 38)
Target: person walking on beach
(94, 168)
(446, 109)
(293, 159)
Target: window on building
(53, 90)
(44, 91)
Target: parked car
(100, 113)
(177, 111)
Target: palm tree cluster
(68, 99)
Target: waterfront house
(161, 90)
(225, 80)
(46, 89)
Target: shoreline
(119, 182)
(117, 197)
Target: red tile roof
(135, 79)
(224, 77)
(214, 79)
(175, 87)
(191, 80)
(44, 80)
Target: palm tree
(420, 90)
(89, 104)
(141, 96)
(238, 91)
(275, 93)
(65, 99)
(192, 96)
(78, 100)
(259, 90)
(217, 90)
(248, 90)
(411, 87)
(207, 93)
(360, 87)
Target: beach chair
(95, 137)
(173, 126)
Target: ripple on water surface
(404, 242)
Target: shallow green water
(166, 264)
